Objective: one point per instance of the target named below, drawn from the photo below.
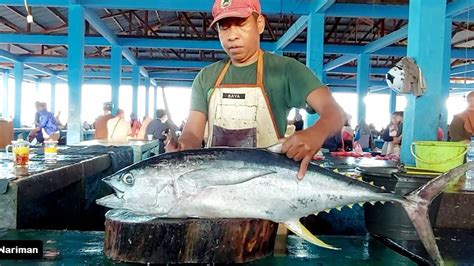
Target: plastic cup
(50, 151)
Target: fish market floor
(85, 248)
(79, 247)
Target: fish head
(121, 182)
(148, 190)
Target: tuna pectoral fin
(299, 229)
(207, 177)
(417, 202)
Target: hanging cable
(29, 17)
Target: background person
(462, 125)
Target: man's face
(240, 37)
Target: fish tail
(417, 202)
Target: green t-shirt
(286, 81)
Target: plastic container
(390, 219)
(438, 156)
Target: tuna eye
(128, 179)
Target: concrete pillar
(363, 65)
(53, 82)
(314, 53)
(135, 85)
(116, 75)
(5, 102)
(147, 96)
(427, 45)
(76, 41)
(393, 102)
(155, 101)
(18, 71)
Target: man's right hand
(192, 135)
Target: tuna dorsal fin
(299, 229)
(206, 177)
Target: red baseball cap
(234, 8)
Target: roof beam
(321, 5)
(40, 39)
(9, 56)
(293, 32)
(14, 58)
(397, 51)
(370, 48)
(457, 7)
(102, 28)
(353, 70)
(341, 60)
(368, 10)
(459, 70)
(386, 40)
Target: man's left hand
(302, 146)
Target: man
(117, 128)
(462, 125)
(158, 127)
(46, 125)
(100, 123)
(246, 99)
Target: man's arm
(193, 133)
(304, 144)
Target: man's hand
(180, 145)
(192, 135)
(302, 146)
(171, 146)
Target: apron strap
(260, 69)
(222, 74)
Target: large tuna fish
(255, 183)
